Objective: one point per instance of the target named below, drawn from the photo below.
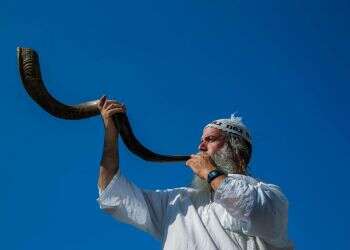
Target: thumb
(101, 102)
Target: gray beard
(223, 159)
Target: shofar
(29, 68)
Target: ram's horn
(29, 68)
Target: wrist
(208, 170)
(215, 184)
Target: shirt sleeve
(261, 208)
(132, 205)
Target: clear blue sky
(282, 65)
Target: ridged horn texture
(29, 68)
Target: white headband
(233, 125)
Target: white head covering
(233, 125)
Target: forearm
(109, 164)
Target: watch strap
(213, 174)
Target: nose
(202, 146)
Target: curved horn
(29, 68)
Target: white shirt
(243, 213)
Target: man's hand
(201, 164)
(110, 160)
(108, 108)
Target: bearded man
(224, 208)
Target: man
(223, 209)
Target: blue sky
(282, 65)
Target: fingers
(189, 163)
(105, 105)
(110, 113)
(114, 106)
(199, 155)
(114, 111)
(198, 159)
(194, 158)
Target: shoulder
(250, 180)
(268, 189)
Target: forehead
(211, 132)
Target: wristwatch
(213, 174)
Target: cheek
(212, 148)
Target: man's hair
(241, 151)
